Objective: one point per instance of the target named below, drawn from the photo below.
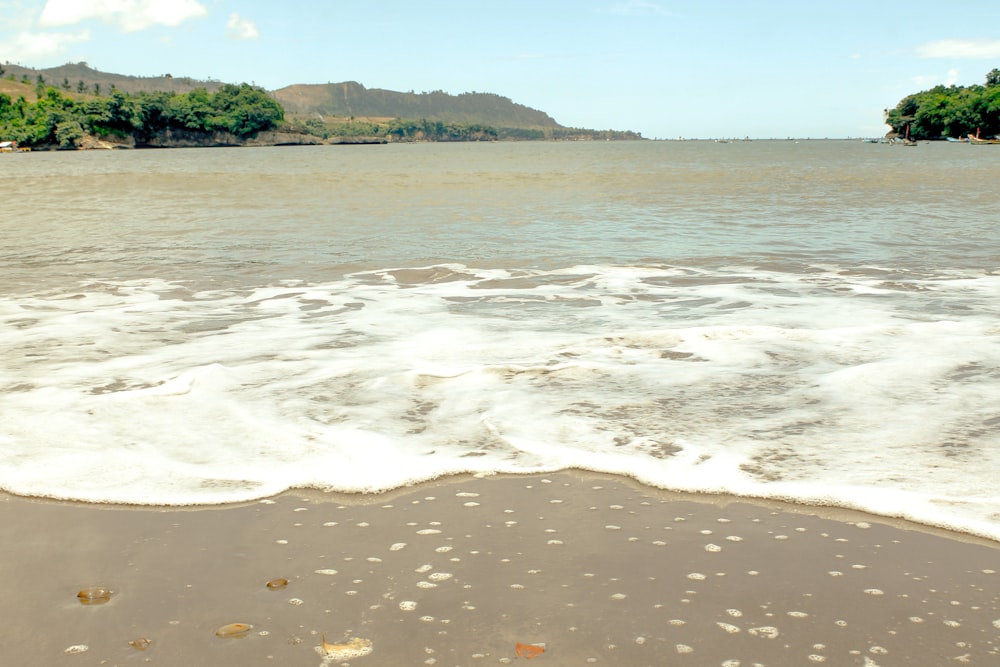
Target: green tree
(949, 111)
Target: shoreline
(594, 568)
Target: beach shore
(576, 568)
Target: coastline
(596, 569)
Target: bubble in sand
(765, 632)
(735, 613)
(397, 546)
(798, 614)
(731, 629)
(429, 531)
(424, 568)
(296, 602)
(684, 648)
(813, 657)
(470, 504)
(443, 550)
(407, 605)
(440, 576)
(466, 494)
(618, 596)
(713, 548)
(76, 648)
(696, 576)
(996, 624)
(874, 591)
(326, 572)
(426, 584)
(734, 538)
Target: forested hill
(351, 99)
(344, 100)
(81, 78)
(67, 106)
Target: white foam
(813, 387)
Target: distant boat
(959, 140)
(976, 141)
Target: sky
(664, 68)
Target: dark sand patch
(598, 569)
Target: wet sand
(594, 569)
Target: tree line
(949, 111)
(56, 119)
(61, 119)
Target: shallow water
(812, 321)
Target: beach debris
(355, 647)
(529, 651)
(234, 630)
(94, 595)
(278, 583)
(140, 644)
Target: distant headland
(76, 107)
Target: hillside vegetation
(950, 111)
(68, 121)
(62, 106)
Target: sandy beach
(577, 568)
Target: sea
(809, 321)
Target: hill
(351, 99)
(80, 78)
(344, 112)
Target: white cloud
(129, 15)
(961, 48)
(39, 46)
(931, 80)
(242, 28)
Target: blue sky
(665, 68)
